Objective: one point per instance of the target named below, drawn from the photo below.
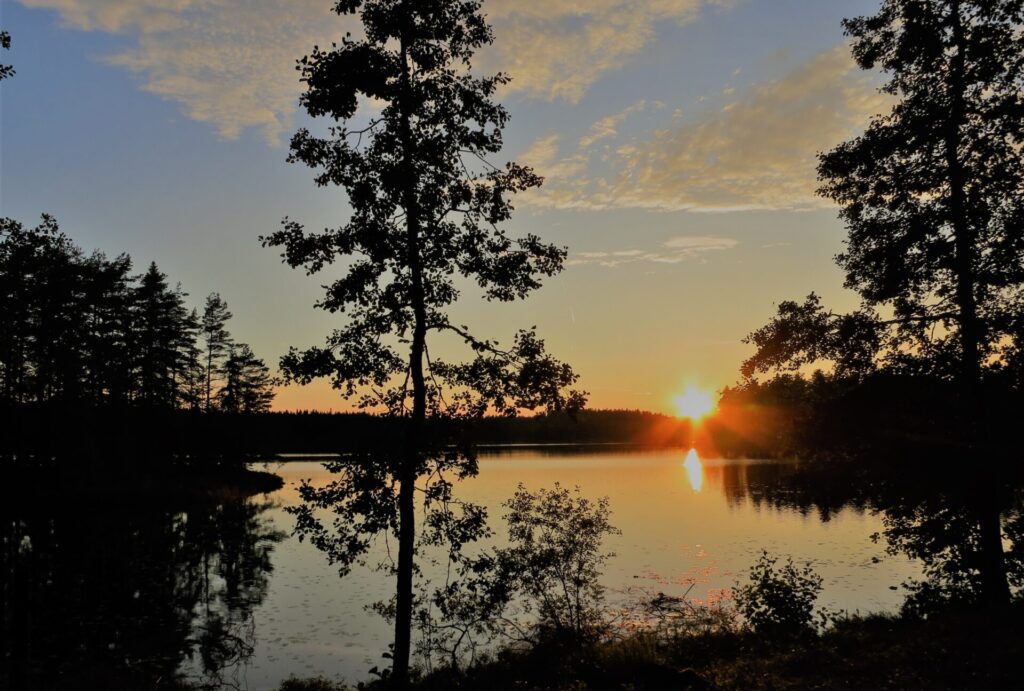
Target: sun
(694, 403)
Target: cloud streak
(673, 251)
(758, 151)
(231, 64)
(558, 49)
(227, 63)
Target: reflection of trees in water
(131, 595)
(767, 485)
(935, 508)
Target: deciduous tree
(932, 194)
(426, 210)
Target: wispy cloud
(673, 251)
(755, 152)
(227, 63)
(557, 49)
(231, 63)
(609, 126)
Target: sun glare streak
(694, 403)
(694, 470)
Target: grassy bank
(953, 650)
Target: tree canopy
(932, 194)
(5, 43)
(426, 208)
(85, 330)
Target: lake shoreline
(958, 649)
(171, 484)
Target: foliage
(803, 334)
(778, 600)
(82, 330)
(248, 386)
(426, 206)
(545, 585)
(217, 342)
(932, 195)
(5, 43)
(555, 556)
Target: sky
(677, 139)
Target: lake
(223, 586)
(679, 526)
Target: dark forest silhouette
(85, 329)
(134, 594)
(88, 347)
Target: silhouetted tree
(544, 584)
(248, 386)
(217, 340)
(194, 376)
(106, 309)
(162, 331)
(933, 198)
(425, 208)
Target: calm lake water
(682, 523)
(121, 591)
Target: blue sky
(677, 138)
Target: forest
(137, 421)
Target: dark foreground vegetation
(955, 650)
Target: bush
(543, 586)
(779, 599)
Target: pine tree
(248, 386)
(217, 342)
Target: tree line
(87, 330)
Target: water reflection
(131, 593)
(121, 594)
(694, 470)
(961, 517)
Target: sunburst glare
(694, 403)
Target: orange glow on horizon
(694, 403)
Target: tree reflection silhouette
(130, 594)
(934, 504)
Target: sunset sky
(677, 138)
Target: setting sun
(694, 403)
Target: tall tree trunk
(209, 374)
(410, 469)
(995, 588)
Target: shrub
(779, 599)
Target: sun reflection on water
(694, 470)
